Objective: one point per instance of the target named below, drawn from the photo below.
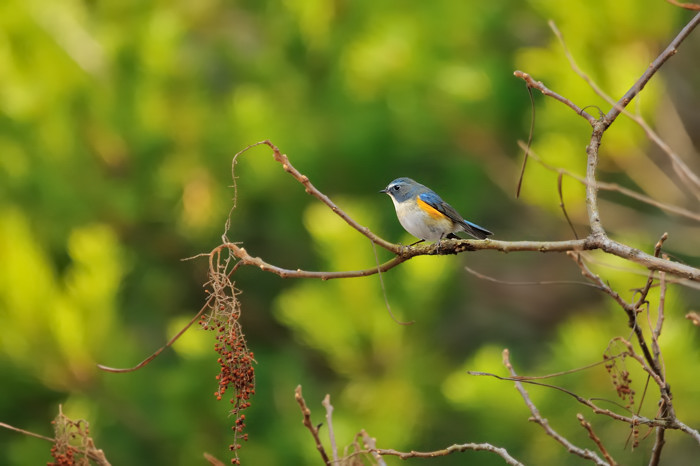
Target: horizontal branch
(502, 452)
(597, 240)
(447, 247)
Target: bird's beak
(383, 191)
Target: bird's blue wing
(436, 202)
(432, 199)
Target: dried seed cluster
(236, 371)
(621, 379)
(72, 440)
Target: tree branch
(591, 434)
(458, 246)
(502, 452)
(306, 412)
(550, 93)
(537, 417)
(637, 87)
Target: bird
(425, 215)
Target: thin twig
(502, 452)
(329, 421)
(648, 363)
(637, 87)
(537, 417)
(527, 378)
(632, 420)
(386, 297)
(529, 140)
(656, 332)
(214, 461)
(591, 434)
(644, 292)
(688, 430)
(312, 190)
(96, 455)
(512, 283)
(560, 190)
(691, 180)
(371, 445)
(306, 412)
(531, 83)
(162, 348)
(684, 173)
(26, 432)
(687, 6)
(605, 186)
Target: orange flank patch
(430, 210)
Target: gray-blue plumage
(425, 215)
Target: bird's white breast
(421, 225)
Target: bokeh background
(118, 124)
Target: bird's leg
(437, 245)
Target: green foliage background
(118, 123)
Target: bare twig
(644, 292)
(605, 186)
(531, 83)
(688, 430)
(526, 283)
(162, 348)
(529, 140)
(26, 432)
(591, 434)
(632, 420)
(214, 461)
(371, 445)
(691, 180)
(687, 6)
(684, 173)
(312, 190)
(329, 421)
(384, 294)
(560, 190)
(637, 87)
(656, 332)
(502, 452)
(527, 378)
(537, 417)
(306, 412)
(631, 311)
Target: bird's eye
(395, 187)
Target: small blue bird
(425, 215)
